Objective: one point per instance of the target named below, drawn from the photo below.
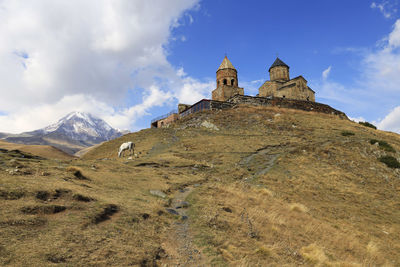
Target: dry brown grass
(276, 191)
(49, 152)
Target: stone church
(279, 85)
(280, 91)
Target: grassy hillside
(264, 186)
(44, 151)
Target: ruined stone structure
(165, 121)
(227, 82)
(280, 84)
(279, 91)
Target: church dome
(278, 63)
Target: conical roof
(226, 64)
(277, 63)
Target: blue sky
(310, 36)
(130, 61)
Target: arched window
(233, 82)
(225, 81)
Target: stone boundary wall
(285, 103)
(235, 100)
(215, 105)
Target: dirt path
(179, 246)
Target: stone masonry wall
(224, 92)
(286, 103)
(171, 118)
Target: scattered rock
(182, 204)
(172, 211)
(160, 212)
(184, 217)
(158, 193)
(25, 222)
(227, 209)
(13, 171)
(209, 125)
(54, 258)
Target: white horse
(126, 146)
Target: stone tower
(279, 71)
(227, 82)
(280, 84)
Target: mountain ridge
(73, 132)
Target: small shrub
(390, 161)
(314, 254)
(82, 198)
(383, 145)
(367, 124)
(42, 195)
(373, 141)
(50, 209)
(105, 214)
(60, 193)
(347, 133)
(77, 173)
(11, 195)
(264, 251)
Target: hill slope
(264, 186)
(48, 152)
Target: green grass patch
(383, 145)
(367, 124)
(390, 161)
(347, 133)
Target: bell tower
(227, 74)
(227, 82)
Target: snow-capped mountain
(71, 133)
(81, 126)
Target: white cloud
(326, 72)
(387, 8)
(394, 36)
(376, 89)
(392, 121)
(60, 56)
(251, 87)
(357, 119)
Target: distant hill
(43, 151)
(76, 131)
